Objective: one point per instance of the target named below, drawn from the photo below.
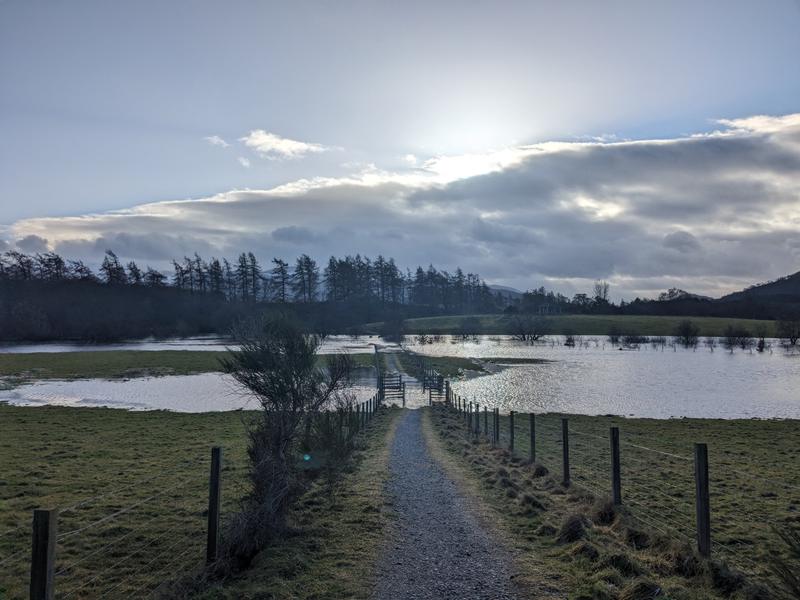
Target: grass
(54, 457)
(333, 554)
(753, 465)
(583, 324)
(120, 364)
(448, 366)
(157, 463)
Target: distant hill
(679, 294)
(785, 289)
(508, 292)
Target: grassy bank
(137, 484)
(583, 324)
(651, 538)
(120, 364)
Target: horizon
(538, 146)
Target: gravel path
(438, 550)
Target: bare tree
(734, 337)
(277, 363)
(788, 329)
(527, 328)
(687, 333)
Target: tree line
(45, 296)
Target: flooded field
(335, 344)
(597, 378)
(205, 392)
(593, 378)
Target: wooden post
(532, 451)
(511, 431)
(565, 450)
(486, 420)
(702, 501)
(214, 500)
(43, 554)
(468, 418)
(616, 475)
(497, 426)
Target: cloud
(294, 235)
(215, 140)
(707, 213)
(245, 162)
(274, 146)
(32, 243)
(682, 241)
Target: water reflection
(659, 382)
(183, 393)
(335, 344)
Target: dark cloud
(32, 243)
(294, 235)
(708, 214)
(682, 241)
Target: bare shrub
(277, 363)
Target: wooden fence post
(532, 451)
(616, 474)
(43, 554)
(702, 501)
(486, 420)
(468, 418)
(565, 450)
(511, 431)
(214, 501)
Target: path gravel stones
(438, 550)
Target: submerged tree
(277, 363)
(687, 333)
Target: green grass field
(157, 463)
(583, 324)
(754, 471)
(120, 364)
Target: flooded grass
(583, 324)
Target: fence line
(666, 491)
(136, 547)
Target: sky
(651, 144)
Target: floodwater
(204, 392)
(597, 378)
(593, 378)
(335, 344)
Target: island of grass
(115, 364)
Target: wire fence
(662, 488)
(137, 538)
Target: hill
(785, 289)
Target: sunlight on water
(648, 382)
(184, 393)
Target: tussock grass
(631, 560)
